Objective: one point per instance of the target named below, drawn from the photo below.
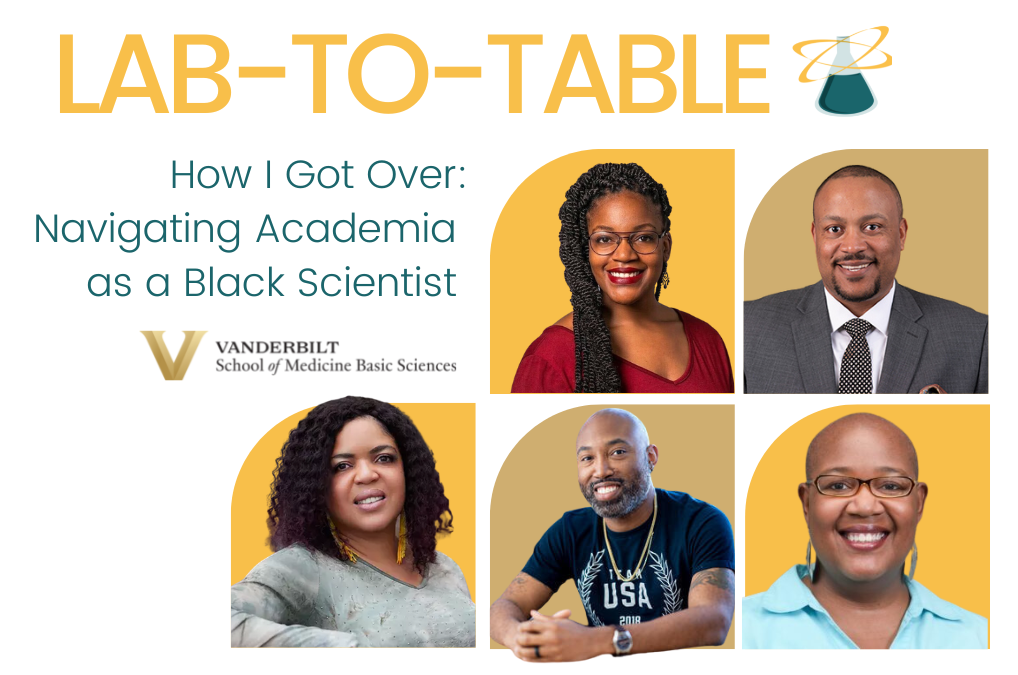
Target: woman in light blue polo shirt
(862, 505)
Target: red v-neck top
(549, 365)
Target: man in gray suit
(856, 330)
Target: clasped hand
(553, 638)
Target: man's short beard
(631, 495)
(862, 296)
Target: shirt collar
(788, 594)
(924, 599)
(878, 316)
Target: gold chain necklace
(643, 556)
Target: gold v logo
(173, 369)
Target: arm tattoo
(519, 580)
(717, 576)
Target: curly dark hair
(595, 369)
(298, 513)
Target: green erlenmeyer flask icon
(845, 90)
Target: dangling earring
(915, 561)
(665, 280)
(809, 558)
(401, 545)
(340, 544)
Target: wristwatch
(623, 641)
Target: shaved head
(614, 459)
(859, 171)
(639, 432)
(860, 427)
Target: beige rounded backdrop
(944, 194)
(537, 482)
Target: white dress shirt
(878, 316)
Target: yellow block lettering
(515, 44)
(182, 73)
(133, 46)
(579, 45)
(357, 76)
(67, 104)
(733, 73)
(689, 103)
(318, 44)
(627, 73)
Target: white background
(118, 484)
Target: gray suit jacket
(787, 345)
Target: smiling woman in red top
(615, 243)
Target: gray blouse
(302, 598)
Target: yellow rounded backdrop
(528, 288)
(448, 429)
(953, 444)
(537, 482)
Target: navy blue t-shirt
(690, 536)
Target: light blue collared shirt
(787, 616)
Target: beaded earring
(341, 545)
(401, 545)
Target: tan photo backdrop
(538, 482)
(944, 194)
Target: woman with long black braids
(615, 243)
(355, 507)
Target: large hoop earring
(915, 561)
(810, 567)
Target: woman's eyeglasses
(605, 243)
(885, 487)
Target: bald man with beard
(653, 567)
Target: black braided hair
(595, 369)
(298, 512)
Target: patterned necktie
(856, 366)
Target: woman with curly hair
(355, 507)
(615, 243)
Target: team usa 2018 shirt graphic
(690, 536)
